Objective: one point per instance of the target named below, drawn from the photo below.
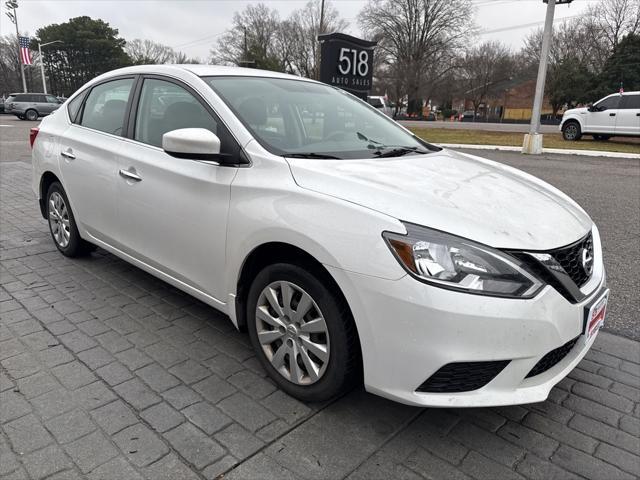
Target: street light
(40, 45)
(533, 140)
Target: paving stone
(432, 467)
(9, 461)
(261, 467)
(22, 328)
(6, 383)
(273, 431)
(46, 462)
(140, 444)
(157, 377)
(13, 406)
(560, 432)
(535, 468)
(73, 375)
(114, 417)
(116, 469)
(41, 382)
(200, 351)
(170, 467)
(605, 433)
(70, 426)
(162, 417)
(114, 342)
(490, 445)
(590, 378)
(224, 366)
(630, 425)
(143, 338)
(134, 358)
(27, 434)
(246, 411)
(194, 446)
(114, 373)
(53, 356)
(209, 418)
(481, 467)
(190, 372)
(286, 407)
(214, 389)
(61, 327)
(40, 340)
(19, 366)
(66, 475)
(77, 341)
(253, 385)
(91, 451)
(54, 403)
(165, 355)
(593, 409)
(626, 391)
(629, 462)
(380, 467)
(181, 396)
(487, 418)
(96, 357)
(529, 439)
(603, 397)
(240, 443)
(93, 395)
(137, 394)
(587, 465)
(93, 327)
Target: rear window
(11, 98)
(630, 102)
(375, 102)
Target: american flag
(25, 53)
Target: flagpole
(24, 82)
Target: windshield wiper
(312, 155)
(397, 151)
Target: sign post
(347, 62)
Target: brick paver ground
(108, 373)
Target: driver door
(173, 211)
(603, 117)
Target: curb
(504, 148)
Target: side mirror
(192, 143)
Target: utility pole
(533, 140)
(322, 17)
(11, 6)
(245, 62)
(44, 81)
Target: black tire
(75, 246)
(343, 365)
(31, 115)
(602, 138)
(571, 131)
(21, 117)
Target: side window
(165, 106)
(106, 105)
(41, 98)
(610, 103)
(631, 102)
(74, 107)
(52, 99)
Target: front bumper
(409, 330)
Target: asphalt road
(492, 127)
(607, 188)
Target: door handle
(638, 114)
(67, 154)
(612, 114)
(127, 175)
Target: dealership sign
(347, 62)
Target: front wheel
(571, 131)
(62, 224)
(302, 332)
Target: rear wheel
(31, 115)
(302, 332)
(62, 224)
(601, 137)
(21, 117)
(571, 131)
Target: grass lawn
(551, 140)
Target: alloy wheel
(59, 219)
(292, 332)
(570, 132)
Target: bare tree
(614, 19)
(413, 33)
(147, 52)
(481, 68)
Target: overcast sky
(193, 25)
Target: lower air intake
(462, 377)
(552, 358)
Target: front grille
(570, 258)
(462, 377)
(552, 358)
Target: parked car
(617, 114)
(382, 104)
(31, 106)
(349, 248)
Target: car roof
(201, 71)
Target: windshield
(304, 119)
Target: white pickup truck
(617, 114)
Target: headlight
(457, 263)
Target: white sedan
(350, 249)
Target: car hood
(454, 192)
(576, 111)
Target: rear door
(51, 104)
(628, 122)
(90, 150)
(602, 118)
(173, 211)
